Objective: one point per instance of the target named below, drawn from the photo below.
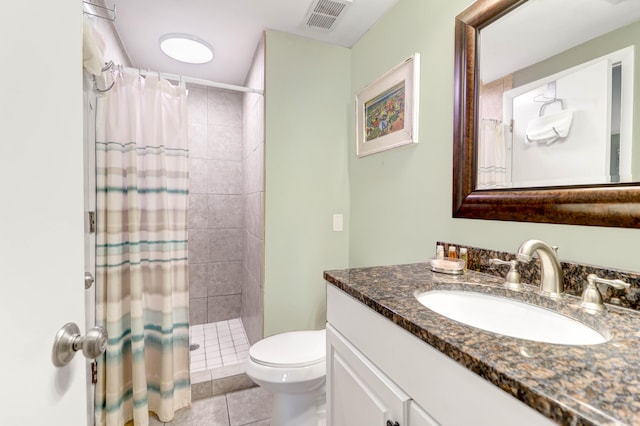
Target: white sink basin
(509, 317)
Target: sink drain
(193, 346)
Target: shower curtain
(142, 289)
(492, 156)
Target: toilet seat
(290, 350)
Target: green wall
(397, 203)
(307, 107)
(401, 199)
(626, 36)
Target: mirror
(544, 112)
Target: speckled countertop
(572, 385)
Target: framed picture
(387, 109)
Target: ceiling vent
(323, 15)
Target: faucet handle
(591, 296)
(512, 280)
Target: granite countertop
(572, 385)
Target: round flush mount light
(186, 48)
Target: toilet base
(300, 409)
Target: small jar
(453, 254)
(464, 255)
(440, 251)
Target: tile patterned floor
(251, 407)
(221, 343)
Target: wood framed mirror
(604, 204)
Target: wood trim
(614, 205)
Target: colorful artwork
(384, 114)
(387, 109)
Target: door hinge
(94, 372)
(92, 222)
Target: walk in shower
(224, 223)
(225, 228)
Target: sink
(509, 317)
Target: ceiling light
(186, 48)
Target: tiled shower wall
(216, 204)
(253, 156)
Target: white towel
(92, 49)
(548, 128)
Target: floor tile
(222, 343)
(231, 370)
(202, 376)
(260, 423)
(198, 365)
(153, 421)
(248, 406)
(222, 356)
(195, 357)
(204, 412)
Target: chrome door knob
(68, 341)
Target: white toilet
(292, 366)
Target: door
(41, 210)
(419, 417)
(583, 156)
(358, 393)
(89, 142)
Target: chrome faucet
(551, 278)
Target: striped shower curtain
(492, 156)
(142, 289)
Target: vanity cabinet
(379, 372)
(358, 393)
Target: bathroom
(396, 204)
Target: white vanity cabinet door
(358, 394)
(419, 417)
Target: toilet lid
(293, 349)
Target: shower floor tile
(222, 344)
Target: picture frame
(387, 109)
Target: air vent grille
(321, 21)
(323, 14)
(328, 7)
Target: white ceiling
(232, 27)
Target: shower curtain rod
(199, 81)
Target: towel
(92, 49)
(549, 128)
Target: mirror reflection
(556, 95)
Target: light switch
(338, 225)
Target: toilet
(292, 366)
